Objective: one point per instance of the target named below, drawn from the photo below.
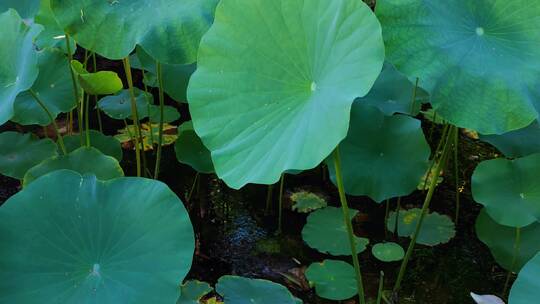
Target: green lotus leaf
(473, 56)
(52, 35)
(85, 160)
(191, 151)
(53, 87)
(526, 288)
(382, 156)
(517, 143)
(501, 240)
(150, 135)
(119, 106)
(20, 152)
(326, 232)
(169, 30)
(175, 76)
(436, 228)
(289, 105)
(388, 252)
(71, 239)
(239, 290)
(27, 9)
(333, 280)
(392, 93)
(18, 60)
(509, 189)
(305, 202)
(193, 291)
(170, 114)
(108, 145)
(98, 83)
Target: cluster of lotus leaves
(289, 105)
(332, 279)
(75, 239)
(436, 228)
(240, 290)
(526, 288)
(482, 56)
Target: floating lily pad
(150, 135)
(72, 239)
(53, 87)
(305, 202)
(388, 252)
(170, 114)
(169, 30)
(526, 288)
(326, 232)
(97, 83)
(18, 60)
(475, 56)
(20, 152)
(501, 239)
(27, 9)
(517, 143)
(119, 106)
(382, 156)
(191, 151)
(333, 280)
(83, 160)
(239, 290)
(193, 291)
(436, 228)
(509, 189)
(289, 105)
(108, 145)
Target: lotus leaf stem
(134, 114)
(269, 199)
(44, 107)
(381, 286)
(456, 173)
(76, 94)
(192, 187)
(161, 114)
(280, 203)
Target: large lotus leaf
(53, 87)
(393, 93)
(288, 106)
(481, 56)
(305, 202)
(526, 288)
(333, 280)
(326, 232)
(71, 239)
(150, 135)
(509, 189)
(169, 30)
(97, 83)
(382, 156)
(119, 106)
(27, 9)
(191, 151)
(85, 160)
(388, 252)
(108, 145)
(170, 114)
(501, 240)
(436, 228)
(193, 291)
(52, 35)
(18, 60)
(20, 152)
(239, 290)
(517, 143)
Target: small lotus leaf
(53, 87)
(98, 83)
(27, 9)
(388, 252)
(239, 290)
(169, 30)
(436, 228)
(305, 202)
(71, 239)
(326, 232)
(85, 160)
(150, 135)
(119, 106)
(382, 156)
(526, 288)
(289, 105)
(517, 143)
(193, 291)
(20, 152)
(479, 60)
(170, 114)
(18, 60)
(191, 151)
(333, 280)
(501, 240)
(509, 189)
(108, 145)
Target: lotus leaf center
(522, 195)
(95, 270)
(480, 31)
(313, 86)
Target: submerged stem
(44, 107)
(134, 114)
(348, 224)
(192, 187)
(161, 110)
